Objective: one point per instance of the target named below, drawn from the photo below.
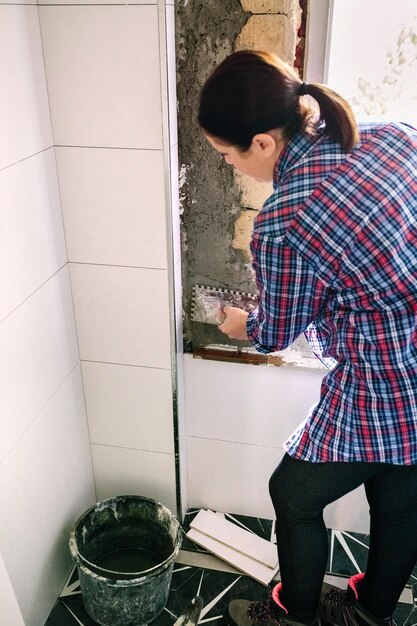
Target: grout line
(349, 554)
(331, 548)
(30, 156)
(33, 292)
(61, 145)
(241, 443)
(207, 608)
(239, 523)
(108, 445)
(73, 614)
(347, 534)
(74, 367)
(171, 613)
(87, 4)
(148, 367)
(272, 538)
(134, 267)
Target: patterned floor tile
(347, 556)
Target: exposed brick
(273, 33)
(254, 194)
(268, 6)
(243, 231)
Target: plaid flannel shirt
(335, 256)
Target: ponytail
(253, 92)
(335, 111)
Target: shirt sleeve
(290, 294)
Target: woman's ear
(264, 144)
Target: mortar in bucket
(124, 549)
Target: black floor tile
(217, 588)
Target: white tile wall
(230, 477)
(172, 74)
(44, 431)
(233, 477)
(52, 447)
(9, 608)
(253, 405)
(114, 206)
(237, 419)
(18, 2)
(102, 64)
(122, 315)
(238, 416)
(32, 243)
(107, 120)
(104, 79)
(38, 345)
(42, 572)
(150, 474)
(129, 407)
(349, 513)
(89, 2)
(25, 126)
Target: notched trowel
(208, 303)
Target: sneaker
(269, 612)
(342, 608)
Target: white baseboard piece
(244, 550)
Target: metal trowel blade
(208, 303)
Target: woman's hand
(234, 326)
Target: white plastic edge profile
(318, 40)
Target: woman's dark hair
(253, 92)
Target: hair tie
(303, 89)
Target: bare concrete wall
(219, 205)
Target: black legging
(300, 490)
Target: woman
(335, 255)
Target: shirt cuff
(252, 329)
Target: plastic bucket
(124, 549)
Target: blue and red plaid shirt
(335, 255)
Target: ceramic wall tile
(10, 610)
(32, 243)
(129, 406)
(238, 416)
(139, 472)
(40, 575)
(349, 513)
(113, 203)
(17, 2)
(38, 344)
(224, 476)
(122, 315)
(109, 56)
(92, 2)
(172, 74)
(40, 464)
(25, 126)
(253, 405)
